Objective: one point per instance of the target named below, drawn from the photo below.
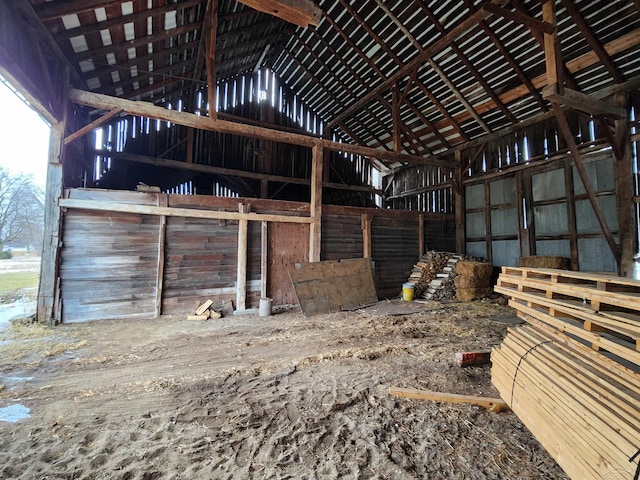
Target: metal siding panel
(595, 255)
(474, 196)
(505, 252)
(503, 191)
(601, 175)
(476, 225)
(477, 249)
(504, 222)
(558, 248)
(548, 185)
(551, 219)
(586, 221)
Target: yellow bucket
(407, 292)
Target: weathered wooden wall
(117, 265)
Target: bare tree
(21, 210)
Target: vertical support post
(487, 219)
(420, 235)
(316, 204)
(365, 220)
(264, 259)
(49, 306)
(264, 188)
(571, 214)
(553, 55)
(210, 60)
(190, 136)
(395, 112)
(241, 276)
(624, 192)
(163, 201)
(459, 208)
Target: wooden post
(190, 135)
(316, 204)
(487, 219)
(420, 235)
(395, 113)
(264, 188)
(163, 201)
(459, 208)
(553, 55)
(571, 215)
(366, 235)
(241, 277)
(264, 260)
(49, 307)
(210, 60)
(624, 193)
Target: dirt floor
(246, 397)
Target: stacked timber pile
(430, 265)
(572, 375)
(473, 280)
(434, 276)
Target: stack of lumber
(473, 280)
(572, 374)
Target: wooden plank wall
(108, 265)
(110, 261)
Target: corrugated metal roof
(153, 50)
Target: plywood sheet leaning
(331, 286)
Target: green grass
(10, 282)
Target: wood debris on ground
(205, 311)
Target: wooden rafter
(507, 56)
(469, 22)
(117, 21)
(59, 8)
(542, 26)
(164, 73)
(301, 12)
(593, 41)
(117, 48)
(210, 56)
(458, 51)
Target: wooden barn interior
(282, 132)
(205, 149)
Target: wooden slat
(493, 404)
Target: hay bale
(474, 269)
(545, 261)
(462, 281)
(467, 294)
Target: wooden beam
(420, 235)
(59, 8)
(241, 276)
(459, 209)
(565, 129)
(395, 118)
(178, 212)
(365, 221)
(196, 167)
(552, 52)
(582, 102)
(149, 110)
(315, 232)
(93, 125)
(302, 12)
(163, 201)
(264, 259)
(210, 58)
(493, 404)
(517, 17)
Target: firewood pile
(434, 276)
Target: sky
(24, 138)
